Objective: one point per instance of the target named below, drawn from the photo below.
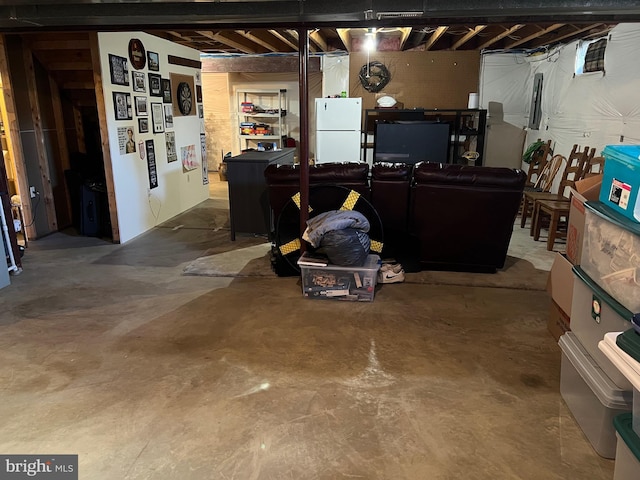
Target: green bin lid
(629, 342)
(624, 426)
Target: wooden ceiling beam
(497, 38)
(345, 38)
(404, 35)
(263, 38)
(573, 33)
(533, 36)
(252, 38)
(294, 34)
(468, 36)
(435, 36)
(233, 43)
(281, 37)
(319, 40)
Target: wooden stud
(13, 140)
(104, 136)
(79, 128)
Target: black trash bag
(347, 247)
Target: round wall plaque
(137, 55)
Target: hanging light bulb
(370, 40)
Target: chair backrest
(538, 163)
(574, 169)
(548, 174)
(595, 166)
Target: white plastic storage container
(611, 253)
(621, 180)
(356, 284)
(627, 465)
(593, 399)
(593, 314)
(628, 366)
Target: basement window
(590, 56)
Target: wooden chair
(543, 187)
(557, 210)
(573, 171)
(538, 162)
(591, 170)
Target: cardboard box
(558, 322)
(560, 283)
(585, 190)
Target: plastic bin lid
(609, 214)
(628, 366)
(624, 426)
(629, 341)
(607, 392)
(629, 154)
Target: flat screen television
(411, 142)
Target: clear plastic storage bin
(611, 254)
(333, 282)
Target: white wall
(139, 207)
(592, 110)
(335, 74)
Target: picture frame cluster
(141, 95)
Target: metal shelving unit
(269, 110)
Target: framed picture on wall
(155, 89)
(170, 140)
(143, 125)
(141, 106)
(153, 61)
(168, 116)
(122, 105)
(157, 117)
(139, 82)
(118, 70)
(166, 90)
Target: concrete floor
(109, 352)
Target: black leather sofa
(437, 216)
(463, 216)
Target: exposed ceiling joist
(345, 37)
(319, 40)
(260, 40)
(543, 31)
(281, 37)
(497, 38)
(226, 40)
(435, 36)
(572, 33)
(472, 33)
(404, 35)
(294, 34)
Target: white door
(337, 146)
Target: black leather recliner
(463, 215)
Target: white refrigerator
(338, 129)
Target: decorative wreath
(374, 76)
